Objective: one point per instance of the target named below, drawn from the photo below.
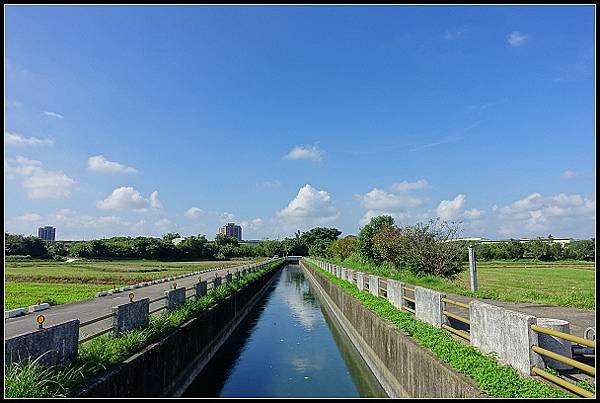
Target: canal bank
(289, 346)
(402, 366)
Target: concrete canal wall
(401, 365)
(166, 367)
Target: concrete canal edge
(402, 366)
(166, 367)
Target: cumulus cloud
(54, 115)
(129, 198)
(227, 216)
(405, 186)
(164, 224)
(193, 213)
(516, 39)
(539, 214)
(309, 207)
(37, 181)
(15, 139)
(379, 202)
(98, 163)
(451, 209)
(312, 153)
(29, 217)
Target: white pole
(473, 268)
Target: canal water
(288, 346)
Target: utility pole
(473, 268)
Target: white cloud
(405, 186)
(193, 212)
(540, 215)
(270, 184)
(227, 217)
(164, 224)
(568, 174)
(15, 139)
(29, 217)
(38, 182)
(516, 39)
(309, 207)
(54, 115)
(451, 209)
(472, 214)
(98, 163)
(129, 198)
(312, 153)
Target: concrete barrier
(175, 298)
(555, 344)
(374, 285)
(132, 315)
(39, 307)
(350, 275)
(344, 274)
(54, 345)
(395, 293)
(201, 288)
(228, 278)
(360, 280)
(505, 333)
(216, 282)
(429, 306)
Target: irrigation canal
(288, 346)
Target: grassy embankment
(29, 379)
(493, 379)
(29, 281)
(562, 283)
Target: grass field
(563, 283)
(27, 282)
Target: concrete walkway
(100, 306)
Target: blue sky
(143, 120)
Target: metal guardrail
(561, 382)
(93, 336)
(565, 360)
(565, 336)
(95, 320)
(457, 332)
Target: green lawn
(570, 283)
(27, 282)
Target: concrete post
(350, 275)
(175, 298)
(395, 292)
(360, 280)
(132, 315)
(56, 345)
(216, 282)
(555, 344)
(228, 278)
(429, 306)
(201, 288)
(506, 333)
(374, 285)
(472, 268)
(344, 274)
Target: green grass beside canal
(569, 283)
(493, 379)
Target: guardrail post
(228, 278)
(429, 306)
(344, 274)
(56, 345)
(473, 268)
(350, 275)
(555, 344)
(131, 315)
(216, 282)
(175, 298)
(374, 285)
(360, 280)
(395, 293)
(507, 333)
(201, 287)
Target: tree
(388, 243)
(344, 247)
(365, 237)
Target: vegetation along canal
(289, 346)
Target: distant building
(230, 229)
(47, 233)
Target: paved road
(94, 308)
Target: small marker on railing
(40, 320)
(131, 295)
(174, 285)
